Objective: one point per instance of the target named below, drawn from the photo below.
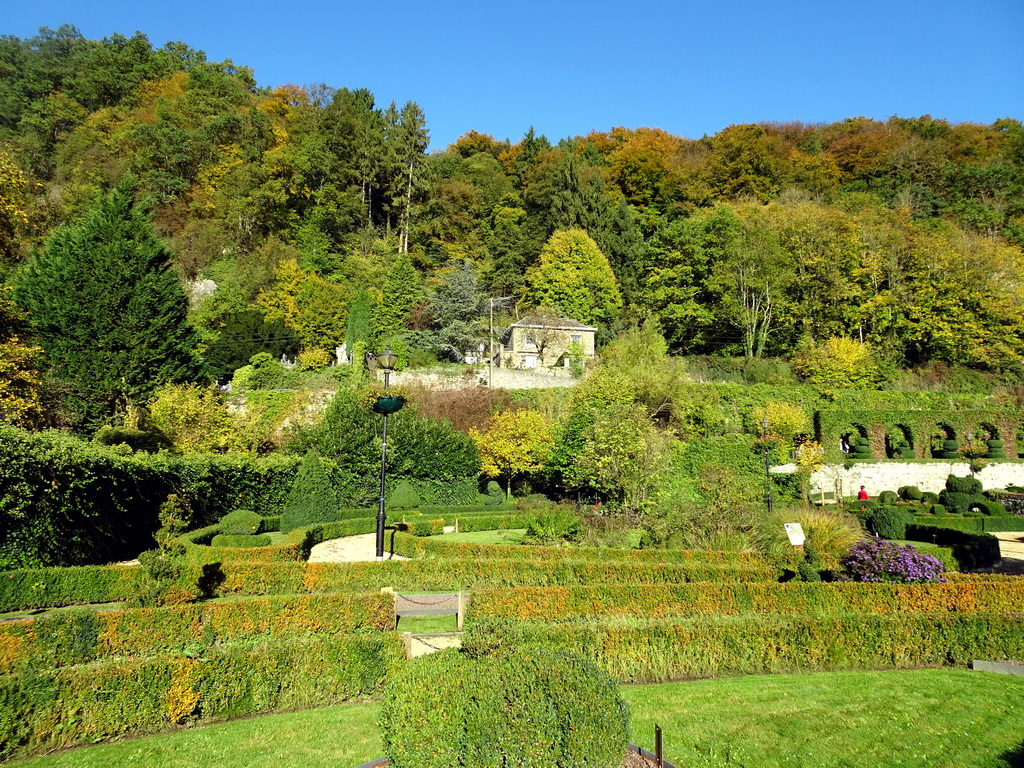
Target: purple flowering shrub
(879, 560)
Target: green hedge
(529, 708)
(409, 546)
(241, 541)
(53, 587)
(710, 599)
(28, 588)
(45, 709)
(67, 502)
(76, 637)
(636, 650)
(971, 550)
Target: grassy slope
(951, 718)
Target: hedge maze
(264, 630)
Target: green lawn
(935, 718)
(953, 718)
(510, 536)
(333, 737)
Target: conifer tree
(312, 498)
(109, 312)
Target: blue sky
(691, 68)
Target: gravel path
(350, 549)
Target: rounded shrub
(938, 510)
(969, 485)
(404, 496)
(888, 497)
(950, 450)
(890, 523)
(957, 503)
(910, 493)
(531, 707)
(929, 498)
(241, 522)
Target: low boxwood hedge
(63, 639)
(710, 599)
(46, 709)
(639, 650)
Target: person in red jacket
(863, 495)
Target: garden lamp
(385, 405)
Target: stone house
(539, 341)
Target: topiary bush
(860, 448)
(404, 497)
(494, 495)
(531, 707)
(928, 497)
(956, 484)
(312, 498)
(995, 449)
(910, 493)
(888, 497)
(890, 523)
(882, 561)
(241, 522)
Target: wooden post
(657, 746)
(407, 641)
(461, 614)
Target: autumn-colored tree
(12, 206)
(838, 363)
(573, 277)
(20, 360)
(513, 443)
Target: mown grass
(932, 717)
(343, 736)
(935, 718)
(510, 536)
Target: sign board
(795, 533)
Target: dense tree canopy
(108, 310)
(316, 210)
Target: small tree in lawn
(513, 443)
(312, 498)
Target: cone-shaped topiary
(312, 498)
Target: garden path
(1011, 549)
(350, 549)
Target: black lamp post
(970, 453)
(385, 405)
(767, 476)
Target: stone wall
(501, 378)
(928, 476)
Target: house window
(531, 342)
(575, 338)
(529, 361)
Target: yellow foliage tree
(513, 443)
(784, 420)
(838, 363)
(20, 376)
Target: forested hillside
(297, 218)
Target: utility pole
(490, 337)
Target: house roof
(556, 323)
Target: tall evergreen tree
(109, 312)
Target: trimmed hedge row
(295, 547)
(634, 650)
(464, 523)
(64, 639)
(45, 709)
(54, 587)
(410, 546)
(973, 524)
(971, 550)
(796, 598)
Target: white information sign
(795, 533)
